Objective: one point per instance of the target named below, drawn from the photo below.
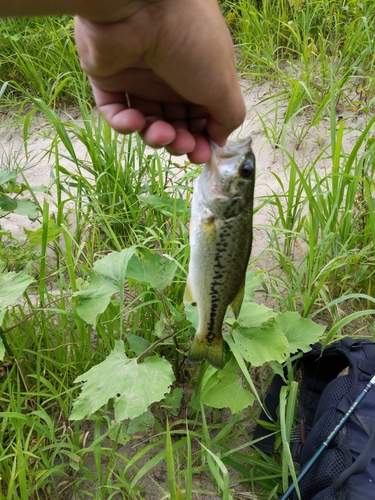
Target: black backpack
(331, 381)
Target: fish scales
(220, 244)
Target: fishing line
(329, 439)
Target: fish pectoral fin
(213, 352)
(188, 295)
(238, 299)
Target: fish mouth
(232, 149)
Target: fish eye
(246, 167)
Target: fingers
(173, 136)
(114, 108)
(202, 150)
(183, 143)
(181, 92)
(179, 128)
(177, 140)
(219, 131)
(158, 134)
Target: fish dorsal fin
(238, 299)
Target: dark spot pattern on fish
(233, 209)
(221, 243)
(217, 284)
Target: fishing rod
(329, 439)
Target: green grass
(39, 55)
(327, 223)
(112, 193)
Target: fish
(220, 239)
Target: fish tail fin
(212, 352)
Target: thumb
(220, 125)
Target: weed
(108, 312)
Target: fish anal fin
(213, 352)
(238, 299)
(188, 295)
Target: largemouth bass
(220, 244)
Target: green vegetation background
(81, 299)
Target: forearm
(94, 10)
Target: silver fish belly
(220, 244)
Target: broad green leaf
(7, 234)
(133, 386)
(95, 299)
(224, 389)
(209, 380)
(138, 345)
(277, 369)
(262, 344)
(165, 203)
(26, 207)
(6, 176)
(35, 237)
(14, 187)
(253, 314)
(252, 282)
(141, 423)
(242, 366)
(160, 329)
(150, 267)
(192, 315)
(147, 383)
(118, 432)
(300, 332)
(7, 204)
(174, 399)
(12, 286)
(114, 265)
(107, 279)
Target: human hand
(166, 70)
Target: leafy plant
(94, 294)
(10, 201)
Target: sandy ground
(38, 168)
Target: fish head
(228, 179)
